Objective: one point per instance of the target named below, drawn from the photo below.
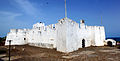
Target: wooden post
(9, 47)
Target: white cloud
(7, 21)
(27, 7)
(10, 19)
(9, 15)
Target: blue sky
(15, 14)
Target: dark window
(52, 39)
(61, 22)
(24, 38)
(39, 32)
(40, 22)
(83, 21)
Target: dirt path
(30, 53)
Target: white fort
(66, 35)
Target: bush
(2, 41)
(118, 45)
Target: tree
(2, 40)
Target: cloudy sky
(15, 14)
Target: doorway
(109, 43)
(83, 43)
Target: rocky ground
(30, 53)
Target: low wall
(43, 45)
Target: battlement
(13, 30)
(67, 35)
(38, 25)
(18, 30)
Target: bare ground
(30, 53)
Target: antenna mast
(101, 20)
(65, 10)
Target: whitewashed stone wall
(17, 36)
(66, 36)
(42, 36)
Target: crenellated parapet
(66, 35)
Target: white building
(110, 42)
(66, 36)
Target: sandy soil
(30, 53)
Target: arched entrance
(83, 43)
(109, 43)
